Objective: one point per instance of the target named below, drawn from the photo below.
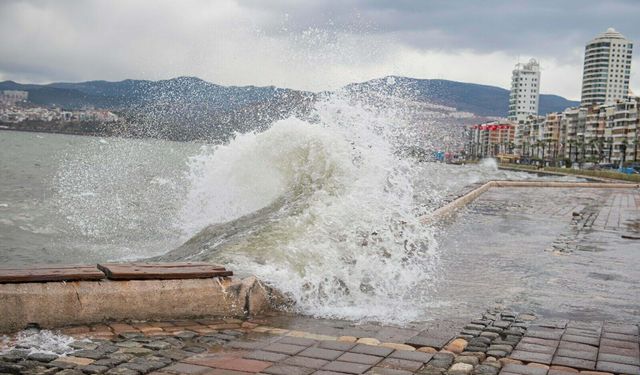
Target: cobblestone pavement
(496, 343)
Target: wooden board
(147, 271)
(45, 273)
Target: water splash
(38, 341)
(324, 209)
(489, 163)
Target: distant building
(600, 133)
(525, 91)
(607, 68)
(11, 97)
(491, 139)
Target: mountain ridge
(479, 99)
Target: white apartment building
(11, 97)
(607, 67)
(525, 91)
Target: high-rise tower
(607, 67)
(525, 90)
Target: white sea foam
(345, 240)
(36, 341)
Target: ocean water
(325, 209)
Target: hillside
(481, 100)
(188, 108)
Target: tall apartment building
(604, 133)
(607, 68)
(525, 91)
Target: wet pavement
(556, 252)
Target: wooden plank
(175, 265)
(49, 273)
(147, 271)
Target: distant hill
(187, 108)
(481, 100)
(183, 108)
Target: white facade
(13, 96)
(607, 67)
(525, 91)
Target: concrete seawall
(56, 304)
(451, 207)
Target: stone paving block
(552, 323)
(460, 369)
(577, 346)
(617, 368)
(360, 358)
(497, 353)
(485, 370)
(594, 326)
(625, 329)
(371, 350)
(92, 354)
(582, 339)
(468, 359)
(588, 355)
(532, 357)
(346, 367)
(400, 364)
(262, 355)
(284, 348)
(619, 344)
(620, 336)
(620, 351)
(433, 341)
(527, 347)
(336, 345)
(539, 341)
(412, 356)
(578, 363)
(324, 372)
(491, 335)
(561, 372)
(545, 333)
(523, 370)
(230, 363)
(387, 371)
(279, 369)
(326, 354)
(581, 332)
(563, 369)
(297, 341)
(617, 358)
(77, 361)
(314, 363)
(93, 369)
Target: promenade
(535, 281)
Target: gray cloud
(309, 44)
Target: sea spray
(325, 210)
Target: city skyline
(311, 46)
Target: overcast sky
(307, 44)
